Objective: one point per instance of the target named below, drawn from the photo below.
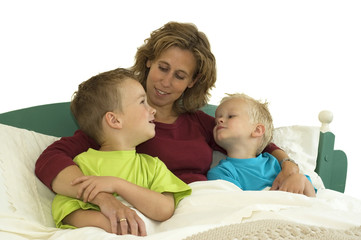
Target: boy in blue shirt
(244, 128)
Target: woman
(178, 70)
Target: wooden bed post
(331, 164)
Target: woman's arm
(57, 157)
(155, 205)
(288, 168)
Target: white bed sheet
(214, 204)
(25, 203)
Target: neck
(165, 114)
(115, 142)
(115, 147)
(241, 152)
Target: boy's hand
(98, 190)
(90, 186)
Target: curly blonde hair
(187, 37)
(258, 114)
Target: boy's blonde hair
(258, 114)
(97, 96)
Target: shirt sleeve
(166, 181)
(224, 173)
(60, 154)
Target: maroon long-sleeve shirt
(185, 147)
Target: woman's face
(169, 76)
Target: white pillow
(22, 194)
(300, 143)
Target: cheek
(180, 86)
(152, 74)
(150, 81)
(214, 132)
(147, 84)
(144, 112)
(149, 77)
(138, 114)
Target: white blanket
(214, 204)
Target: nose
(219, 120)
(166, 80)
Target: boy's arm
(157, 206)
(62, 182)
(108, 204)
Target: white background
(302, 56)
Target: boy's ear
(258, 130)
(113, 120)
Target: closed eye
(163, 69)
(163, 66)
(180, 77)
(143, 100)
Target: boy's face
(232, 123)
(137, 115)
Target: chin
(151, 135)
(219, 141)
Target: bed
(215, 210)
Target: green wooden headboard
(331, 164)
(57, 120)
(52, 119)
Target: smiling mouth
(160, 92)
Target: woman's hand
(288, 168)
(121, 217)
(298, 183)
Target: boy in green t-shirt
(112, 108)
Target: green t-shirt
(140, 169)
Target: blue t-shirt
(248, 174)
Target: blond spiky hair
(258, 114)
